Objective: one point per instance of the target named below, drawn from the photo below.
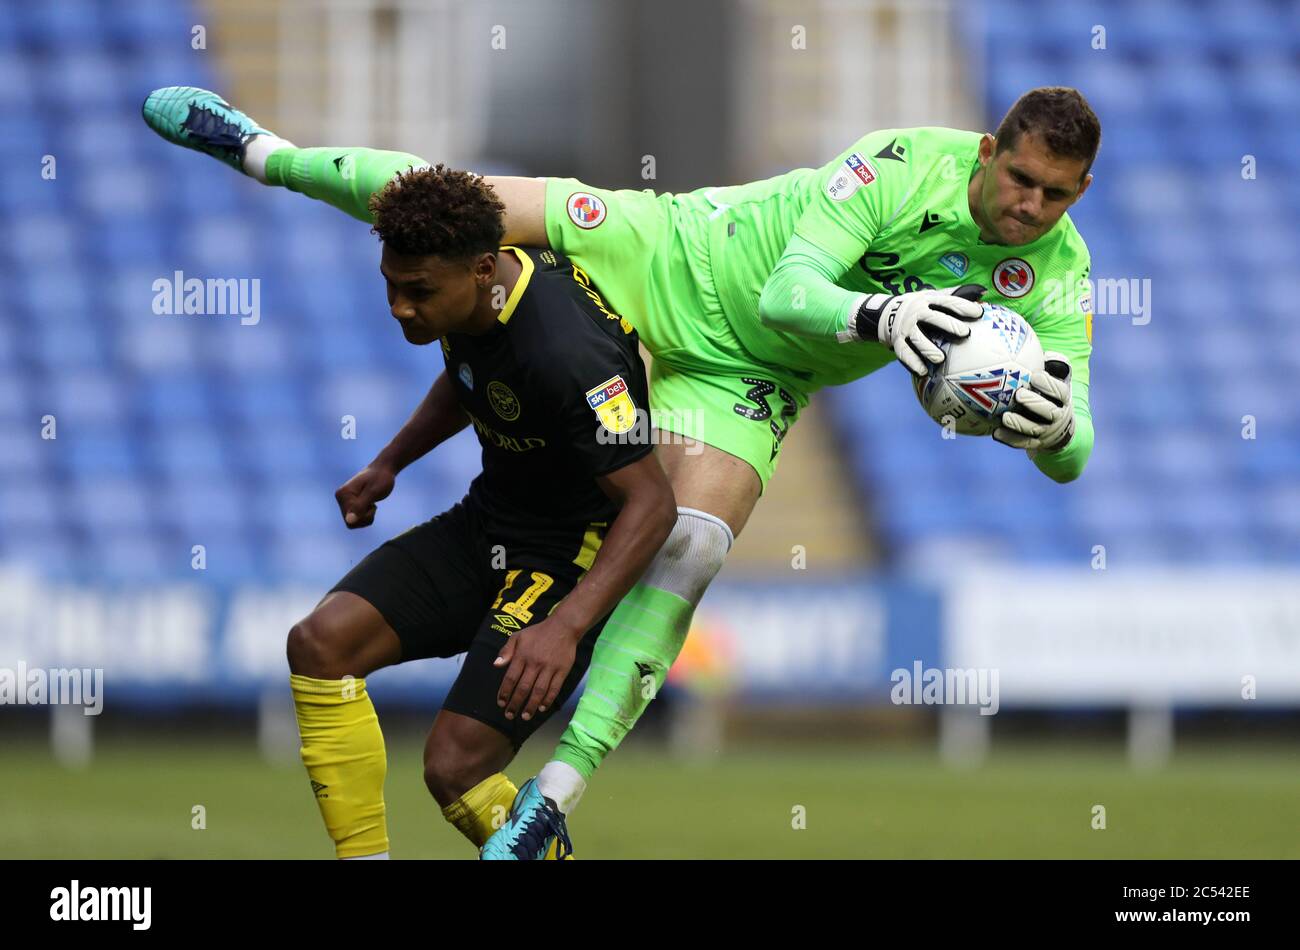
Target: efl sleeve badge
(613, 405)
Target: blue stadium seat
(69, 24)
(299, 505)
(87, 397)
(23, 454)
(158, 343)
(1189, 86)
(188, 451)
(195, 505)
(98, 453)
(17, 88)
(98, 501)
(133, 557)
(230, 557)
(1265, 82)
(279, 449)
(1156, 26)
(53, 555)
(318, 556)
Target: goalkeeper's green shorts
(648, 256)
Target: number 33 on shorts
(759, 390)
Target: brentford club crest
(586, 210)
(1013, 277)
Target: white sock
(561, 783)
(257, 151)
(381, 856)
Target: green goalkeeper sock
(342, 177)
(628, 667)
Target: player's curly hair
(440, 211)
(1061, 116)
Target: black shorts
(448, 587)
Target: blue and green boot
(198, 119)
(533, 825)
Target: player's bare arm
(540, 657)
(525, 203)
(437, 418)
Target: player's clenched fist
(360, 493)
(901, 322)
(539, 659)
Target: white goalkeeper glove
(900, 322)
(1042, 415)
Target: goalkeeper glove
(900, 322)
(1042, 417)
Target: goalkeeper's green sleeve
(1067, 464)
(342, 177)
(801, 295)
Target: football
(975, 383)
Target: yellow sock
(343, 749)
(482, 810)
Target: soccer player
(521, 574)
(752, 297)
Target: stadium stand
(177, 430)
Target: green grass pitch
(135, 801)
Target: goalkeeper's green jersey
(891, 215)
(747, 291)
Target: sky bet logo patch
(613, 405)
(851, 175)
(859, 166)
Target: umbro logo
(894, 152)
(931, 220)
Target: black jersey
(554, 391)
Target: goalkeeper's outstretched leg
(344, 177)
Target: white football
(975, 383)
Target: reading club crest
(1013, 277)
(585, 210)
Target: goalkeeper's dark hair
(1061, 116)
(439, 211)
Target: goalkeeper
(752, 297)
